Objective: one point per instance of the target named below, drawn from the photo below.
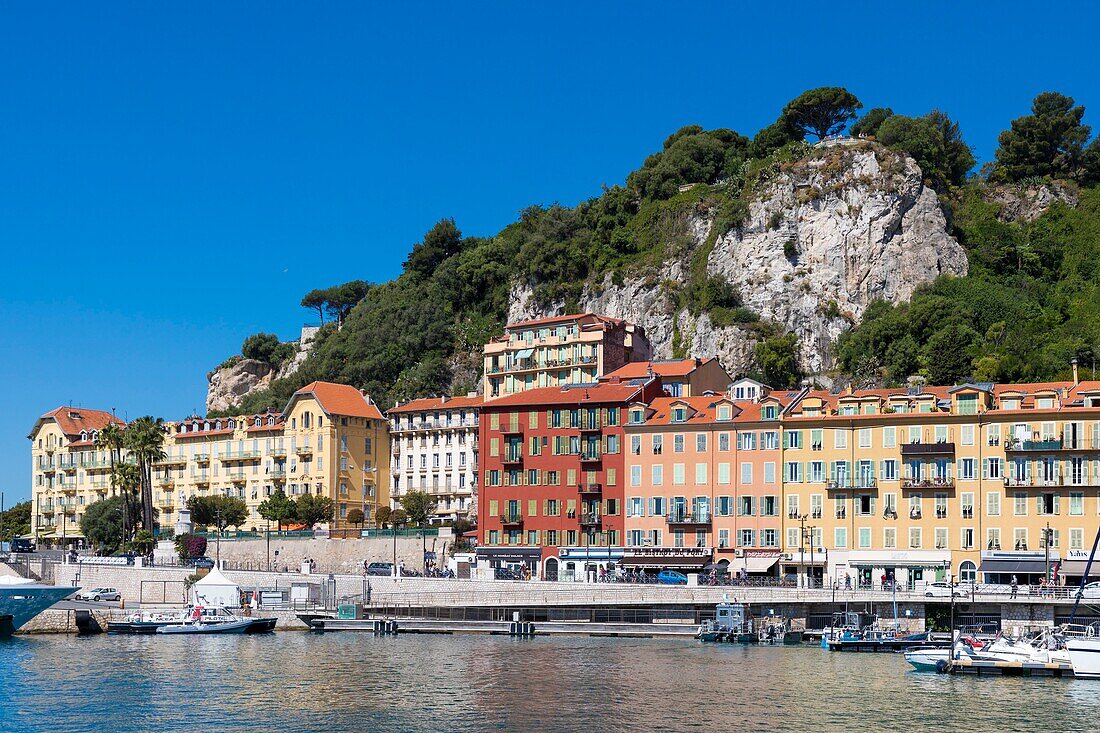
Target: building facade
(330, 440)
(68, 472)
(679, 377)
(434, 449)
(561, 350)
(703, 473)
(551, 463)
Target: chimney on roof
(614, 380)
(442, 399)
(1073, 363)
(851, 389)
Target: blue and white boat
(21, 599)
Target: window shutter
(1056, 497)
(1039, 504)
(872, 505)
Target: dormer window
(724, 412)
(679, 414)
(257, 423)
(1044, 403)
(83, 435)
(769, 412)
(271, 420)
(206, 425)
(1012, 403)
(637, 417)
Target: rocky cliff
(823, 238)
(228, 385)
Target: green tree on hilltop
(778, 360)
(1048, 142)
(822, 112)
(869, 123)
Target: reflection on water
(345, 682)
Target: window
(816, 473)
(794, 472)
(840, 438)
(769, 537)
(793, 439)
(914, 538)
(967, 538)
(635, 475)
(746, 474)
(792, 506)
(658, 475)
(678, 474)
(864, 537)
(792, 536)
(745, 506)
(636, 445)
(967, 504)
(966, 434)
(723, 538)
(816, 503)
(724, 474)
(723, 441)
(769, 473)
(725, 506)
(700, 474)
(890, 470)
(678, 443)
(746, 441)
(993, 538)
(941, 538)
(701, 442)
(1019, 539)
(865, 439)
(966, 469)
(1019, 504)
(840, 537)
(890, 538)
(993, 504)
(1077, 539)
(657, 506)
(1076, 503)
(657, 444)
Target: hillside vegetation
(1029, 303)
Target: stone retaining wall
(331, 555)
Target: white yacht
(21, 599)
(1083, 644)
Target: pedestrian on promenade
(1015, 586)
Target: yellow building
(915, 484)
(68, 473)
(330, 440)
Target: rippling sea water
(356, 682)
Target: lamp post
(802, 551)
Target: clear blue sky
(175, 176)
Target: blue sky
(175, 176)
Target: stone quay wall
(331, 555)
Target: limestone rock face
(231, 384)
(1027, 203)
(824, 238)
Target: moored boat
(21, 599)
(207, 627)
(732, 624)
(152, 622)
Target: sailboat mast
(1085, 577)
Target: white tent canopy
(215, 590)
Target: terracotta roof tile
(575, 395)
(72, 420)
(339, 399)
(425, 404)
(670, 368)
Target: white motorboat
(1083, 645)
(21, 599)
(151, 622)
(238, 626)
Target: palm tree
(110, 439)
(145, 440)
(128, 480)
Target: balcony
(304, 450)
(590, 489)
(166, 482)
(512, 458)
(201, 480)
(46, 509)
(593, 427)
(170, 461)
(202, 458)
(1040, 481)
(589, 519)
(928, 449)
(928, 483)
(589, 456)
(840, 485)
(68, 467)
(1016, 445)
(241, 455)
(511, 520)
(278, 452)
(689, 519)
(277, 473)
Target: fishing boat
(150, 622)
(207, 627)
(21, 599)
(775, 630)
(732, 624)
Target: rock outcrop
(1028, 203)
(230, 384)
(823, 238)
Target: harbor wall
(331, 555)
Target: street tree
(277, 508)
(419, 507)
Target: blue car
(200, 562)
(671, 577)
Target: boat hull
(228, 627)
(20, 603)
(1084, 655)
(928, 660)
(255, 626)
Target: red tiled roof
(426, 404)
(339, 399)
(202, 433)
(561, 319)
(672, 368)
(72, 420)
(594, 394)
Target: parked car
(671, 577)
(380, 568)
(945, 590)
(99, 594)
(200, 562)
(21, 545)
(1092, 590)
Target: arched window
(270, 419)
(83, 434)
(968, 571)
(206, 425)
(232, 424)
(217, 424)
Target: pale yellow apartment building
(916, 484)
(330, 440)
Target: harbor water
(357, 682)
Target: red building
(551, 462)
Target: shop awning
(524, 354)
(760, 564)
(1076, 568)
(1013, 566)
